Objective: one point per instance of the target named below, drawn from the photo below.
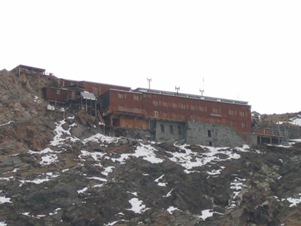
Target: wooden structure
(23, 69)
(269, 136)
(135, 109)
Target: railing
(269, 132)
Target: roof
(87, 96)
(192, 96)
(30, 68)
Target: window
(174, 105)
(165, 104)
(136, 109)
(184, 106)
(215, 110)
(209, 133)
(120, 95)
(162, 128)
(242, 114)
(58, 92)
(210, 143)
(95, 91)
(136, 97)
(155, 102)
(179, 130)
(156, 113)
(202, 108)
(243, 125)
(121, 107)
(171, 129)
(231, 112)
(165, 115)
(192, 107)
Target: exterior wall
(212, 135)
(228, 123)
(55, 94)
(23, 69)
(169, 132)
(123, 101)
(133, 123)
(96, 88)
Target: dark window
(171, 129)
(162, 128)
(210, 143)
(179, 129)
(209, 133)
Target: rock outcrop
(59, 169)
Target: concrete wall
(212, 135)
(169, 132)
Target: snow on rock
(41, 179)
(60, 132)
(55, 212)
(137, 206)
(147, 152)
(100, 138)
(4, 199)
(293, 201)
(171, 209)
(48, 159)
(82, 190)
(7, 123)
(189, 159)
(97, 156)
(161, 184)
(236, 186)
(206, 214)
(2, 223)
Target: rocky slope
(58, 169)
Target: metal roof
(87, 96)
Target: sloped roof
(87, 96)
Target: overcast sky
(245, 50)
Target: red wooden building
(153, 110)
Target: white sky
(246, 50)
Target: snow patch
(4, 199)
(189, 159)
(137, 206)
(41, 179)
(171, 209)
(100, 138)
(206, 214)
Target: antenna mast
(177, 88)
(149, 81)
(202, 90)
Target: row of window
(214, 110)
(171, 129)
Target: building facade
(171, 117)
